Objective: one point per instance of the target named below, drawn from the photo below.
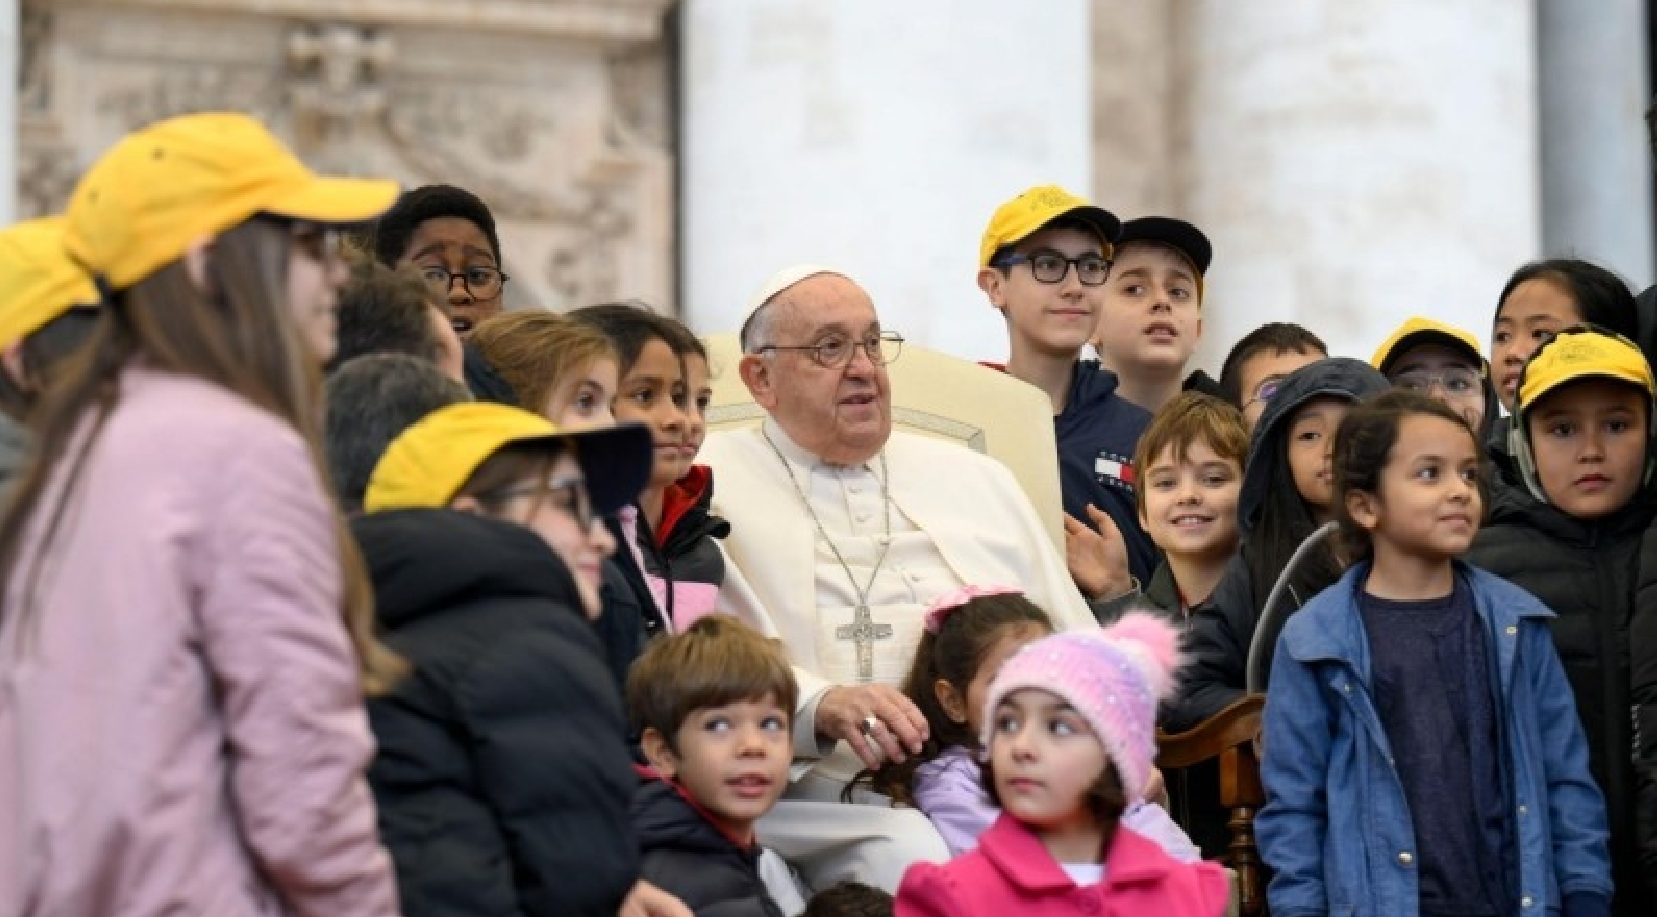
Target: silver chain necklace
(863, 630)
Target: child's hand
(646, 900)
(1156, 789)
(877, 721)
(1098, 560)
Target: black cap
(1172, 232)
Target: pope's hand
(1098, 560)
(897, 728)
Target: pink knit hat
(1113, 677)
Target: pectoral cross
(864, 631)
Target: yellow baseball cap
(1418, 329)
(1581, 352)
(161, 188)
(427, 464)
(38, 280)
(1023, 215)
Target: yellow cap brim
(337, 200)
(1573, 356)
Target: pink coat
(1012, 873)
(181, 728)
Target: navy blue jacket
(1097, 434)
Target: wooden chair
(1229, 736)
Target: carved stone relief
(558, 118)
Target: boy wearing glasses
(1043, 263)
(1259, 362)
(1442, 361)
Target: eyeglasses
(318, 243)
(1051, 267)
(1457, 380)
(569, 495)
(480, 282)
(1265, 390)
(835, 352)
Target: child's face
(1151, 319)
(969, 709)
(1445, 374)
(700, 393)
(1589, 440)
(1428, 503)
(560, 514)
(582, 400)
(1046, 758)
(732, 759)
(1311, 435)
(1191, 502)
(1259, 374)
(1054, 319)
(1531, 314)
(654, 394)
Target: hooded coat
(503, 778)
(1223, 627)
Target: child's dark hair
(1105, 798)
(1601, 297)
(631, 325)
(396, 226)
(1284, 521)
(1272, 337)
(716, 661)
(849, 899)
(1363, 447)
(954, 654)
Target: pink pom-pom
(1154, 641)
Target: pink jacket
(1012, 873)
(181, 728)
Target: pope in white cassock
(842, 532)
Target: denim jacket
(1336, 828)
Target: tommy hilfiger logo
(1114, 470)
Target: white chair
(941, 396)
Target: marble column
(1358, 161)
(875, 137)
(1596, 159)
(9, 57)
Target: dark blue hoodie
(1097, 434)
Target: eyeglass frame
(871, 349)
(581, 502)
(1275, 383)
(1438, 378)
(449, 282)
(1013, 259)
(328, 247)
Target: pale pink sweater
(181, 729)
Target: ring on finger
(867, 727)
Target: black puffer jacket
(1642, 638)
(502, 778)
(1586, 573)
(687, 857)
(1223, 627)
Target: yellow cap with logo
(38, 278)
(1579, 353)
(159, 189)
(1418, 329)
(427, 464)
(1023, 215)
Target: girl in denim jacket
(1422, 751)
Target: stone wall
(556, 112)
